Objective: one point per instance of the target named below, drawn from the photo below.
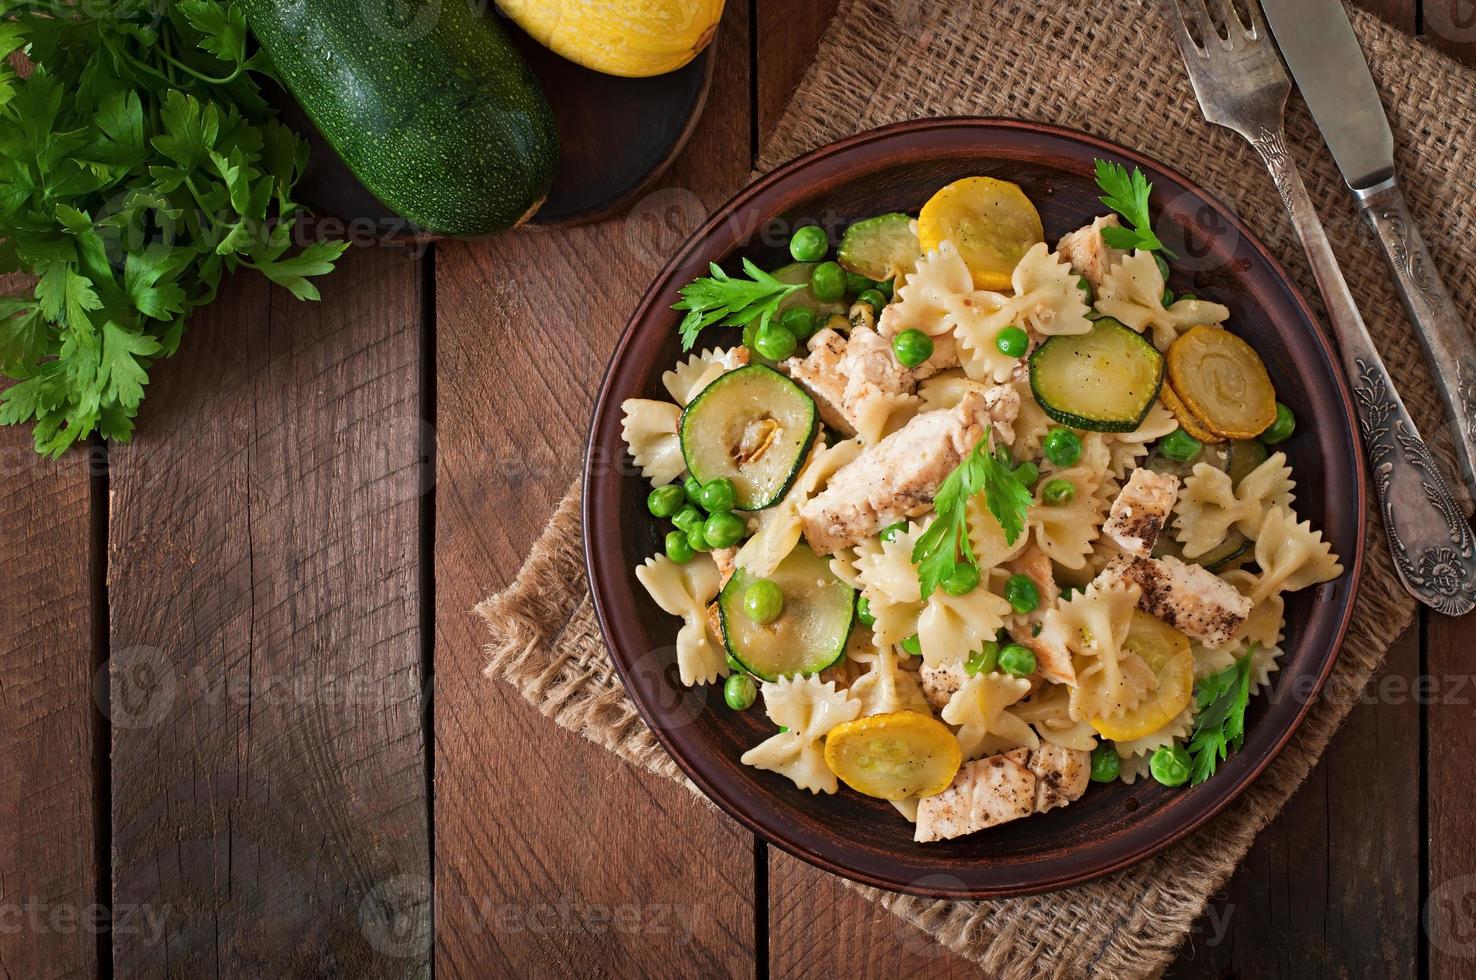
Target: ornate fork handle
(1448, 346)
(1432, 545)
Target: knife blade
(1317, 40)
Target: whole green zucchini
(427, 101)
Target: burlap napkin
(1110, 68)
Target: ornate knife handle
(1448, 345)
(1431, 543)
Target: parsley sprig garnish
(1127, 194)
(946, 542)
(139, 163)
(1219, 720)
(730, 301)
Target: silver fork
(1241, 85)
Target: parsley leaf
(946, 542)
(1219, 721)
(1127, 194)
(731, 302)
(139, 164)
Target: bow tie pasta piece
(700, 370)
(649, 429)
(1049, 711)
(1132, 293)
(987, 538)
(886, 687)
(685, 591)
(985, 727)
(779, 526)
(1291, 556)
(951, 627)
(1128, 449)
(1094, 625)
(1031, 424)
(1066, 532)
(926, 302)
(887, 574)
(1209, 506)
(1048, 299)
(809, 709)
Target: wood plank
(268, 777)
(1449, 908)
(545, 844)
(48, 723)
(787, 34)
(1450, 25)
(1332, 886)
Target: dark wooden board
(269, 803)
(529, 817)
(49, 725)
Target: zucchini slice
(880, 248)
(809, 635)
(1104, 380)
(753, 426)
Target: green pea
(1027, 473)
(1282, 428)
(1088, 294)
(983, 660)
(1106, 764)
(912, 347)
(1168, 297)
(809, 244)
(885, 288)
(863, 612)
(697, 537)
(890, 532)
(913, 644)
(828, 282)
(1058, 492)
(1163, 267)
(723, 530)
(1063, 447)
(873, 298)
(1170, 765)
(800, 321)
(856, 284)
(763, 602)
(963, 579)
(1017, 660)
(666, 501)
(678, 548)
(1012, 342)
(717, 496)
(1022, 594)
(687, 518)
(774, 342)
(739, 690)
(692, 486)
(1180, 446)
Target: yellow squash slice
(1166, 652)
(1222, 380)
(893, 756)
(1188, 421)
(991, 223)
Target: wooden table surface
(241, 688)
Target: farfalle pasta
(970, 547)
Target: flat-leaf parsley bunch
(138, 163)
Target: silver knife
(1318, 43)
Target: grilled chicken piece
(940, 684)
(985, 793)
(1088, 254)
(843, 374)
(1053, 660)
(894, 479)
(1061, 775)
(1190, 598)
(1001, 788)
(1141, 510)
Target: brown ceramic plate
(897, 168)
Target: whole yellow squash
(633, 38)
